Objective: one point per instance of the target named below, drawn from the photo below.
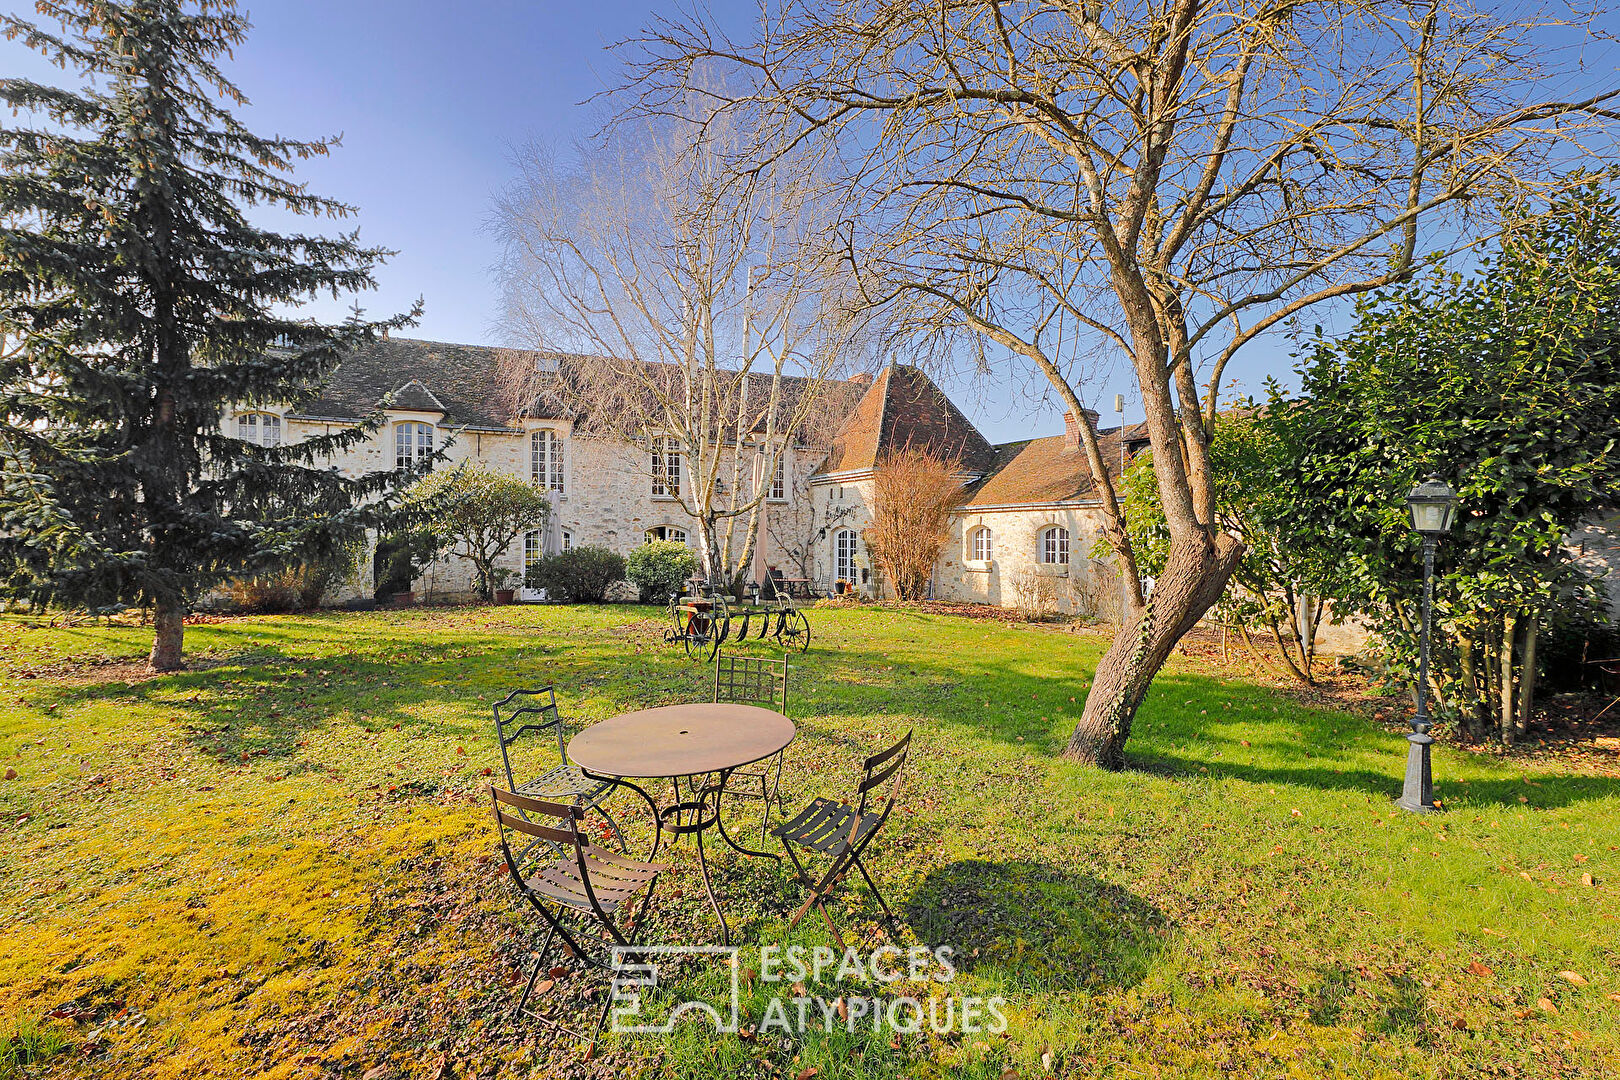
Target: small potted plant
(503, 580)
(843, 586)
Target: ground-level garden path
(279, 863)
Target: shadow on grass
(1034, 925)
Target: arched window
(665, 532)
(1055, 545)
(844, 547)
(981, 546)
(413, 445)
(260, 429)
(546, 460)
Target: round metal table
(675, 741)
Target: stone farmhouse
(1022, 534)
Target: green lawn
(279, 863)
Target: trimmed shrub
(660, 569)
(580, 575)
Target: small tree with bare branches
(704, 321)
(913, 494)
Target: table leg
(703, 864)
(658, 820)
(725, 779)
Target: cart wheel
(795, 631)
(697, 635)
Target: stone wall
(607, 495)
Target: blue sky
(432, 98)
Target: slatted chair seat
(614, 879)
(564, 781)
(824, 826)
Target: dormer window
(413, 445)
(260, 429)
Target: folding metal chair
(562, 782)
(582, 878)
(749, 680)
(842, 832)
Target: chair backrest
(884, 767)
(749, 679)
(556, 824)
(521, 712)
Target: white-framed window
(778, 492)
(981, 545)
(666, 467)
(665, 532)
(534, 547)
(567, 540)
(260, 429)
(413, 445)
(546, 460)
(844, 548)
(1055, 545)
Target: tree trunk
(1527, 676)
(1195, 574)
(1474, 713)
(1505, 698)
(169, 630)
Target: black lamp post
(1434, 508)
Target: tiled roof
(1048, 470)
(905, 409)
(413, 395)
(482, 386)
(462, 381)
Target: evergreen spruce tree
(139, 306)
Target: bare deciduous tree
(704, 321)
(913, 494)
(1165, 179)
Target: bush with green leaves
(478, 513)
(579, 575)
(660, 569)
(1506, 384)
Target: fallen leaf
(1546, 1006)
(808, 1073)
(1572, 977)
(544, 986)
(1586, 879)
(1477, 968)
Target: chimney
(1071, 428)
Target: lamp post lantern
(1434, 507)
